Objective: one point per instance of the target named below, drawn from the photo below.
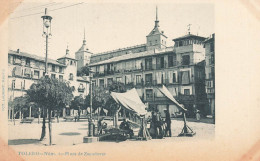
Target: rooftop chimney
(18, 50)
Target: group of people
(160, 128)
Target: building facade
(210, 73)
(25, 69)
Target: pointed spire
(156, 13)
(156, 20)
(67, 50)
(84, 40)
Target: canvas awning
(131, 101)
(167, 94)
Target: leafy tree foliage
(52, 94)
(84, 71)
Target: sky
(108, 26)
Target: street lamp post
(90, 138)
(46, 32)
(90, 122)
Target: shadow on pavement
(70, 133)
(202, 120)
(23, 141)
(83, 128)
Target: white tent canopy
(166, 92)
(130, 101)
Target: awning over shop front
(167, 94)
(131, 101)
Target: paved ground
(72, 133)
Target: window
(185, 60)
(17, 60)
(13, 84)
(53, 76)
(149, 93)
(128, 79)
(148, 79)
(162, 62)
(94, 83)
(180, 43)
(71, 76)
(174, 80)
(170, 61)
(70, 62)
(60, 77)
(148, 63)
(9, 59)
(118, 79)
(37, 64)
(159, 62)
(60, 69)
(101, 83)
(155, 41)
(53, 68)
(109, 81)
(186, 91)
(81, 88)
(138, 79)
(36, 74)
(27, 62)
(150, 42)
(212, 47)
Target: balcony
(129, 85)
(81, 90)
(186, 97)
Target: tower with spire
(156, 38)
(71, 65)
(83, 54)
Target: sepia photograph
(67, 87)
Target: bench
(69, 118)
(27, 120)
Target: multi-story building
(25, 69)
(180, 68)
(210, 73)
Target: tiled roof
(155, 31)
(120, 49)
(134, 56)
(187, 36)
(35, 57)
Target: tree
(19, 104)
(52, 94)
(78, 104)
(83, 70)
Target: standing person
(159, 124)
(153, 126)
(168, 122)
